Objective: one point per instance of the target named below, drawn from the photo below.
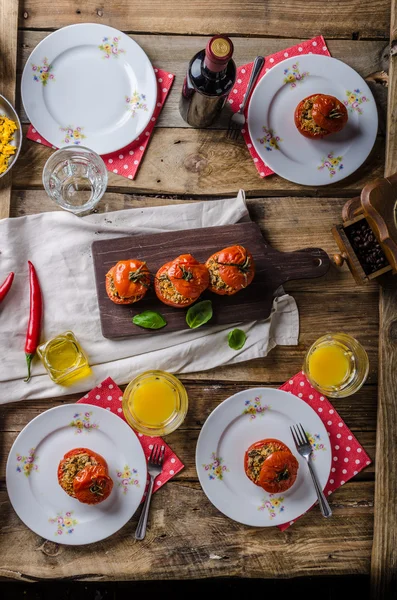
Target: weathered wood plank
(287, 223)
(384, 550)
(172, 53)
(8, 61)
(358, 18)
(201, 162)
(183, 442)
(319, 313)
(359, 412)
(221, 547)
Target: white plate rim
(274, 72)
(102, 29)
(223, 406)
(139, 460)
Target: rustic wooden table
(188, 538)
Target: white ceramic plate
(32, 482)
(238, 422)
(283, 148)
(89, 84)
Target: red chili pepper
(5, 286)
(34, 325)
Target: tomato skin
(298, 122)
(188, 277)
(99, 459)
(236, 268)
(277, 446)
(128, 288)
(320, 114)
(278, 472)
(89, 477)
(323, 107)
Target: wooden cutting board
(273, 268)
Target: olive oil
(64, 359)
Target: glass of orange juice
(155, 403)
(336, 365)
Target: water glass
(75, 178)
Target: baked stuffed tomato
(180, 282)
(127, 281)
(83, 474)
(92, 485)
(319, 115)
(231, 270)
(271, 465)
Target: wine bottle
(209, 79)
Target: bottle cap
(218, 52)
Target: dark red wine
(208, 82)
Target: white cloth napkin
(59, 245)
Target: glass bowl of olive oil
(64, 359)
(155, 403)
(336, 365)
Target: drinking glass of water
(75, 178)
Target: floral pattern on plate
(215, 469)
(270, 140)
(254, 408)
(27, 464)
(316, 443)
(65, 523)
(332, 164)
(110, 47)
(274, 505)
(128, 477)
(73, 135)
(82, 422)
(136, 102)
(42, 73)
(355, 99)
(293, 76)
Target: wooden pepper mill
(368, 237)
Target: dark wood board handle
(308, 263)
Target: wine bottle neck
(214, 66)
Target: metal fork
(304, 448)
(237, 120)
(155, 466)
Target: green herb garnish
(236, 339)
(199, 313)
(149, 320)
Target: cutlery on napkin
(348, 456)
(316, 45)
(109, 396)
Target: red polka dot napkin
(315, 46)
(126, 161)
(108, 395)
(348, 456)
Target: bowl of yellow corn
(10, 136)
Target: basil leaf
(149, 320)
(199, 313)
(236, 339)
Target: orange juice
(336, 365)
(330, 365)
(154, 401)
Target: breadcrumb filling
(307, 121)
(169, 292)
(71, 467)
(216, 280)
